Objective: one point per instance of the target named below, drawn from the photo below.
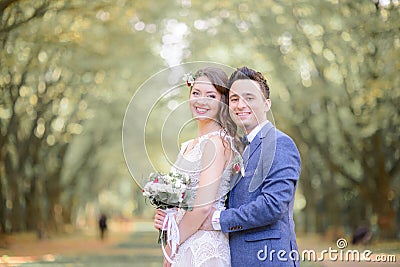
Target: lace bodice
(190, 163)
(203, 248)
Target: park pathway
(135, 246)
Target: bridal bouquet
(168, 192)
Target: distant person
(102, 225)
(40, 230)
(361, 235)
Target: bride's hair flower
(189, 79)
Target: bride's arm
(214, 158)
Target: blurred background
(68, 70)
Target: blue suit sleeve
(278, 189)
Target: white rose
(168, 188)
(158, 187)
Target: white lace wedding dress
(203, 248)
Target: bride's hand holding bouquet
(169, 192)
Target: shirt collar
(256, 130)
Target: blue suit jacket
(260, 215)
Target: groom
(259, 219)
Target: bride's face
(204, 100)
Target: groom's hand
(207, 223)
(159, 219)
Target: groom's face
(247, 104)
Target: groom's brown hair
(245, 73)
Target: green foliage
(69, 68)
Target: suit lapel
(247, 153)
(267, 154)
(250, 150)
(266, 139)
(264, 132)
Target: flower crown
(189, 79)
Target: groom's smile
(243, 115)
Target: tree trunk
(53, 196)
(13, 180)
(381, 194)
(387, 223)
(387, 216)
(34, 206)
(310, 209)
(16, 210)
(54, 190)
(2, 206)
(333, 221)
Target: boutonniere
(189, 79)
(238, 165)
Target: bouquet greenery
(168, 192)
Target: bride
(208, 159)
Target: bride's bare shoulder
(221, 143)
